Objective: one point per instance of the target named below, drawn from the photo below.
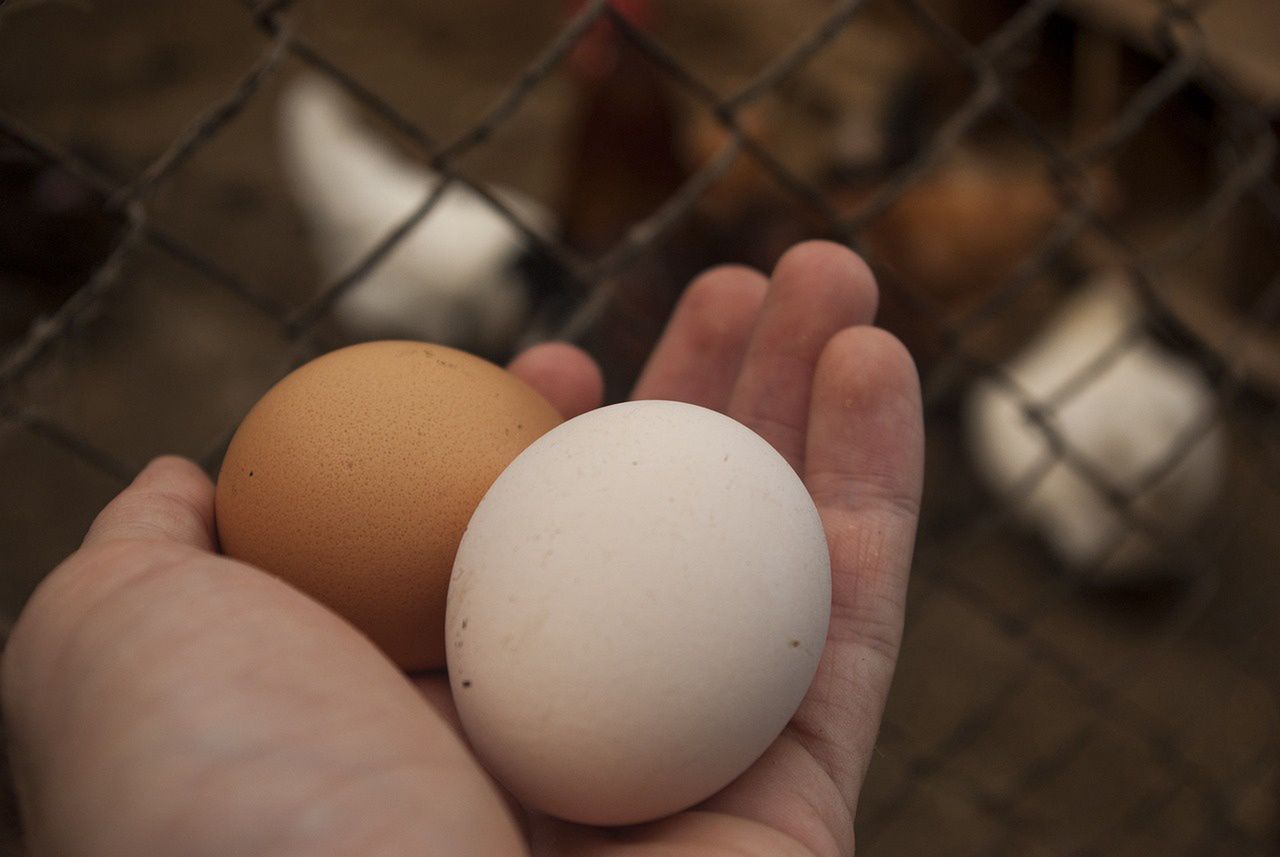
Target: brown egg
(354, 477)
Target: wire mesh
(1153, 684)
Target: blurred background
(1073, 207)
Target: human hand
(162, 699)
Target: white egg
(636, 611)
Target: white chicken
(456, 278)
(1123, 422)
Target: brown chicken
(954, 238)
(958, 233)
(622, 165)
(623, 160)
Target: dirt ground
(1029, 716)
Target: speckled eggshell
(354, 477)
(637, 608)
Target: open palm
(162, 699)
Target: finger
(864, 467)
(818, 288)
(687, 833)
(701, 351)
(170, 500)
(434, 688)
(564, 374)
(162, 701)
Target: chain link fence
(1050, 699)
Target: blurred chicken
(951, 239)
(621, 165)
(960, 232)
(1124, 423)
(461, 277)
(746, 216)
(956, 235)
(622, 162)
(54, 232)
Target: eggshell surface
(637, 608)
(354, 477)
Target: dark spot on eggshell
(795, 644)
(466, 682)
(464, 623)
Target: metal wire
(1183, 63)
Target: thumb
(171, 500)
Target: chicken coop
(1072, 208)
